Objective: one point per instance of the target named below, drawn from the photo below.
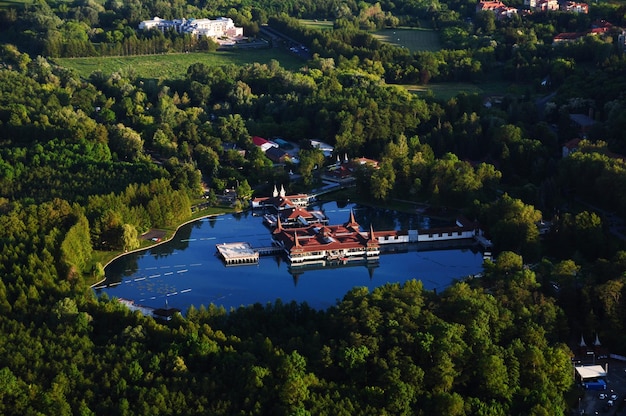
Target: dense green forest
(87, 165)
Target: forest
(90, 164)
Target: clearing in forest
(447, 90)
(415, 39)
(317, 24)
(174, 65)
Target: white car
(613, 396)
(601, 396)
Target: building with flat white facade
(212, 28)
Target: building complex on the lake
(320, 243)
(307, 239)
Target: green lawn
(448, 90)
(15, 4)
(174, 66)
(415, 39)
(317, 24)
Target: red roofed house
(489, 5)
(262, 143)
(546, 5)
(575, 7)
(570, 147)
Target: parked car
(601, 396)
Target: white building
(217, 28)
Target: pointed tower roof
(597, 341)
(372, 238)
(275, 193)
(296, 243)
(582, 341)
(279, 225)
(282, 191)
(352, 222)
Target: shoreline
(163, 241)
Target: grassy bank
(105, 257)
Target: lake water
(185, 271)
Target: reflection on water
(185, 271)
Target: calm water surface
(185, 271)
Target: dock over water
(237, 253)
(243, 253)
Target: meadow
(317, 24)
(174, 65)
(448, 90)
(415, 39)
(14, 4)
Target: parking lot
(600, 402)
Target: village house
(343, 171)
(501, 10)
(570, 147)
(575, 7)
(489, 6)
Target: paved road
(591, 404)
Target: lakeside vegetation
(90, 161)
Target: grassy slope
(174, 66)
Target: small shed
(590, 372)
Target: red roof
(317, 237)
(259, 141)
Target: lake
(185, 271)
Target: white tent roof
(590, 371)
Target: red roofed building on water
(321, 243)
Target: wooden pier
(269, 250)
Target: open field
(448, 90)
(174, 66)
(415, 39)
(15, 4)
(317, 24)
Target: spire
(275, 193)
(282, 191)
(352, 221)
(345, 157)
(296, 243)
(279, 225)
(582, 341)
(597, 341)
(372, 238)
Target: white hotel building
(213, 28)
